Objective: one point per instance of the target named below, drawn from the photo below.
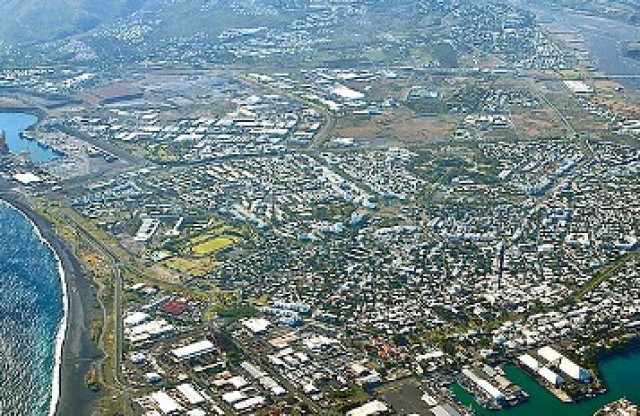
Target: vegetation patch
(214, 245)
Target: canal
(620, 375)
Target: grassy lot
(191, 266)
(214, 244)
(215, 238)
(195, 254)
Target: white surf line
(62, 327)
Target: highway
(117, 298)
(329, 119)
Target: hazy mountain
(44, 20)
(28, 21)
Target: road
(329, 123)
(117, 298)
(297, 393)
(102, 144)
(327, 129)
(580, 142)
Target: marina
(18, 140)
(619, 374)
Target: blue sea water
(620, 375)
(31, 309)
(15, 123)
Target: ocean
(31, 312)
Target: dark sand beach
(78, 351)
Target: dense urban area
(346, 208)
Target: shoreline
(34, 111)
(74, 352)
(44, 145)
(61, 333)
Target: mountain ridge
(32, 21)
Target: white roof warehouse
(194, 350)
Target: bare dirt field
(398, 126)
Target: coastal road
(117, 298)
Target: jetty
(4, 148)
